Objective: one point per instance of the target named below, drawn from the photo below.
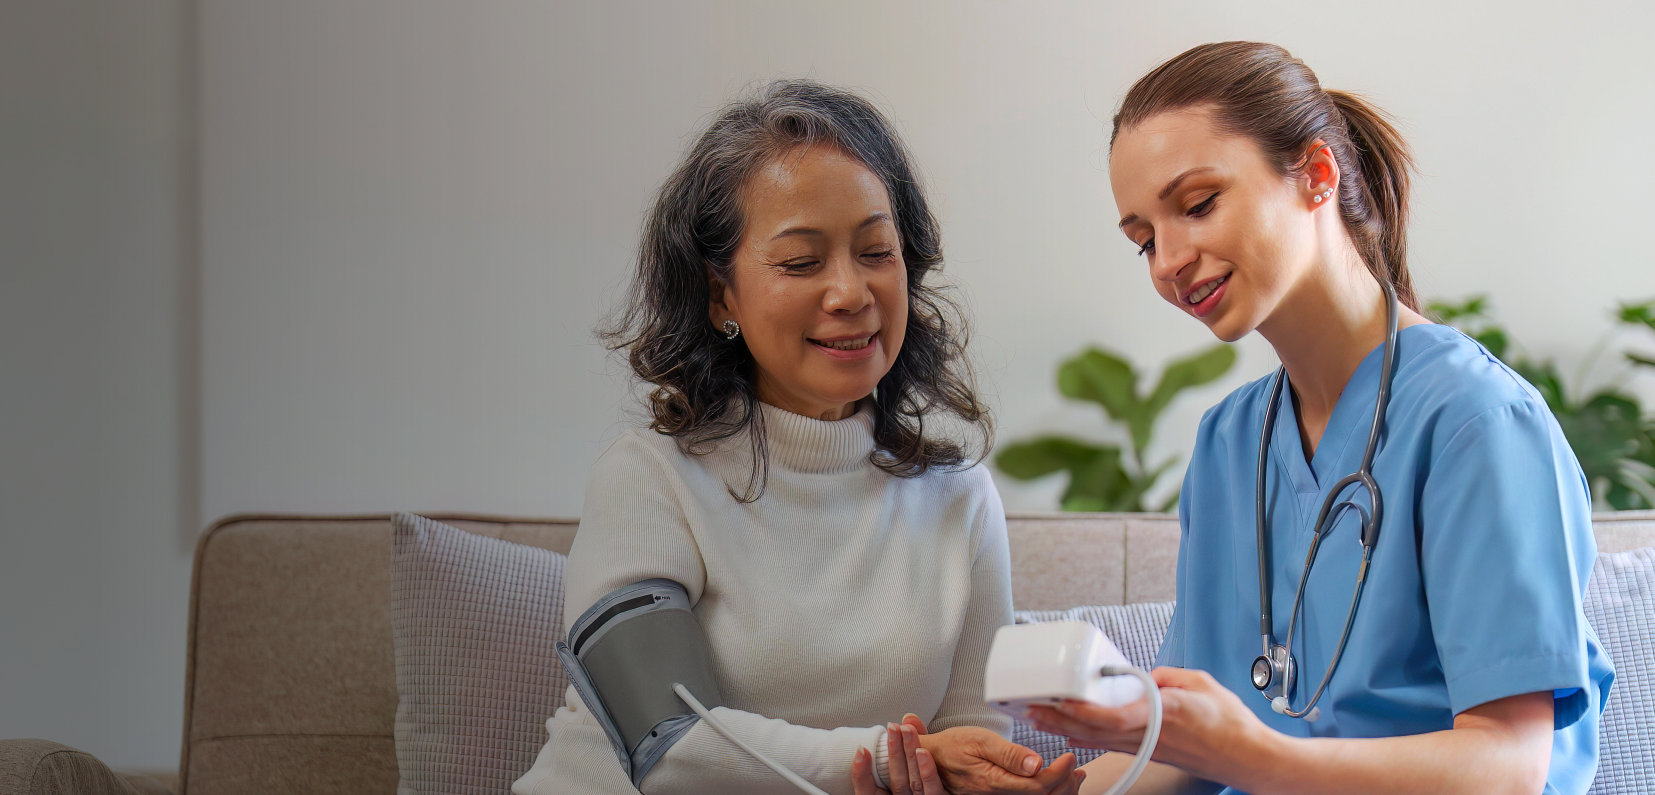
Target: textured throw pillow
(474, 620)
(1620, 603)
(1136, 629)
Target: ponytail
(1378, 218)
(1262, 92)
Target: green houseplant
(1609, 429)
(1106, 477)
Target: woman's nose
(1173, 253)
(847, 290)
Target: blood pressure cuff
(623, 656)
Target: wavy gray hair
(705, 388)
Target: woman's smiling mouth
(847, 343)
(847, 347)
(1200, 294)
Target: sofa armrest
(42, 767)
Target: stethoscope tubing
(1332, 508)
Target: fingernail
(1030, 765)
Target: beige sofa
(290, 685)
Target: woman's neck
(1323, 330)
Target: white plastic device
(1032, 664)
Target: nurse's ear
(1319, 176)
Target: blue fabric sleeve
(1506, 547)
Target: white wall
(96, 376)
(412, 214)
(415, 212)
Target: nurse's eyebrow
(1173, 185)
(806, 230)
(1167, 191)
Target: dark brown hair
(1261, 92)
(705, 385)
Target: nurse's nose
(1172, 255)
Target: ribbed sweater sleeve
(988, 609)
(633, 527)
(703, 762)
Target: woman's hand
(1205, 729)
(913, 768)
(918, 776)
(972, 760)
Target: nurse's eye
(1206, 206)
(1147, 248)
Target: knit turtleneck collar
(802, 444)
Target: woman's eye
(881, 256)
(797, 265)
(1147, 248)
(1206, 206)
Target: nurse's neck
(1325, 326)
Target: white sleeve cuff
(882, 759)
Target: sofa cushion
(1136, 629)
(43, 767)
(1620, 603)
(473, 620)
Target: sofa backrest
(290, 680)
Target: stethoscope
(1274, 671)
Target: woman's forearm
(705, 761)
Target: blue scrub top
(1474, 591)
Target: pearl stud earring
(1326, 194)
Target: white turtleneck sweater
(843, 598)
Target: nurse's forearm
(1500, 747)
(1158, 778)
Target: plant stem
(1591, 359)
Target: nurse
(1261, 202)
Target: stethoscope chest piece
(1273, 671)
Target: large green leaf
(1045, 455)
(1098, 484)
(1638, 314)
(1202, 368)
(1103, 378)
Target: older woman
(845, 561)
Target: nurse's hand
(1205, 729)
